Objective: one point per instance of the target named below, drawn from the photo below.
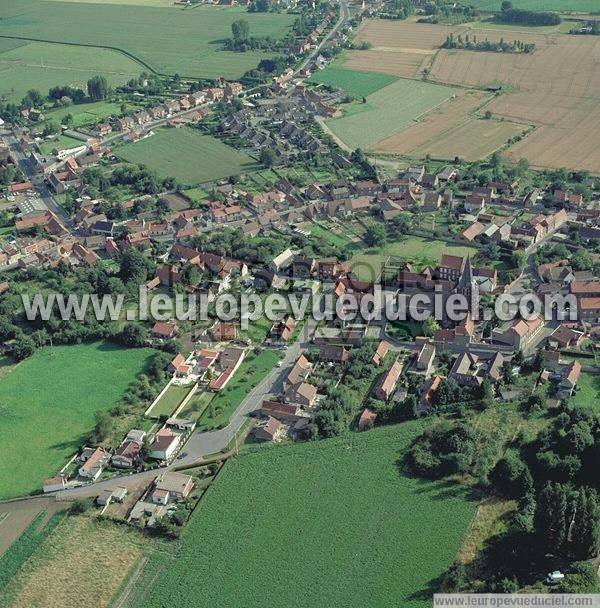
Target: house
(451, 267)
(177, 485)
(164, 330)
(127, 455)
(303, 394)
(333, 354)
(269, 431)
(428, 390)
(223, 332)
(382, 348)
(283, 260)
(519, 333)
(54, 484)
(466, 370)
(164, 444)
(387, 384)
(424, 359)
(94, 464)
(281, 411)
(565, 337)
(367, 419)
(569, 379)
(298, 373)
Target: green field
(47, 407)
(588, 388)
(38, 65)
(359, 84)
(170, 401)
(252, 370)
(418, 250)
(63, 142)
(187, 155)
(387, 111)
(87, 113)
(168, 39)
(540, 5)
(330, 523)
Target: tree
(22, 348)
(133, 335)
(511, 475)
(581, 578)
(376, 235)
(134, 267)
(241, 31)
(103, 427)
(506, 5)
(268, 157)
(551, 516)
(97, 88)
(430, 326)
(585, 534)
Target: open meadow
(364, 124)
(38, 65)
(357, 83)
(187, 155)
(317, 524)
(47, 407)
(168, 39)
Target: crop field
(168, 39)
(556, 89)
(38, 65)
(420, 251)
(65, 565)
(387, 111)
(187, 155)
(473, 140)
(359, 84)
(541, 5)
(47, 406)
(331, 523)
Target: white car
(554, 577)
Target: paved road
(203, 444)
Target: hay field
(557, 88)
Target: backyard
(170, 401)
(187, 155)
(320, 524)
(47, 406)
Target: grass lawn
(196, 405)
(387, 111)
(39, 65)
(336, 239)
(187, 155)
(72, 551)
(62, 142)
(87, 113)
(588, 389)
(169, 39)
(359, 84)
(249, 374)
(418, 250)
(329, 523)
(47, 407)
(170, 401)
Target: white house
(165, 444)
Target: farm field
(147, 32)
(541, 5)
(251, 371)
(420, 251)
(38, 65)
(72, 552)
(364, 124)
(48, 404)
(187, 155)
(328, 544)
(473, 140)
(170, 401)
(556, 89)
(359, 84)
